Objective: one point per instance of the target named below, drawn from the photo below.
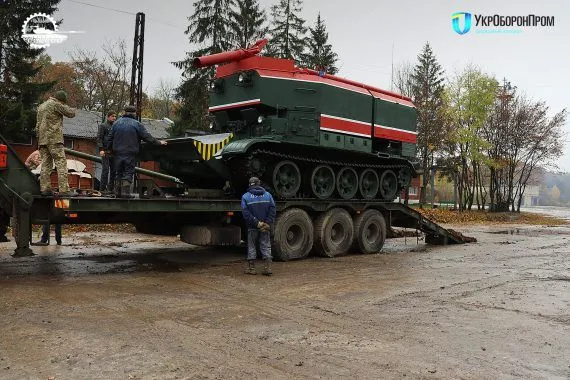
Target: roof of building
(85, 125)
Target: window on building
(68, 143)
(413, 191)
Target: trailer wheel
(293, 237)
(334, 232)
(369, 231)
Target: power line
(101, 7)
(125, 12)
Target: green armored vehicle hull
(305, 134)
(309, 134)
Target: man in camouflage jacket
(49, 129)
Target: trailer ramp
(401, 215)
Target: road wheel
(322, 181)
(334, 232)
(388, 185)
(369, 231)
(347, 183)
(369, 184)
(294, 235)
(286, 179)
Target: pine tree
(320, 55)
(288, 33)
(427, 83)
(209, 25)
(247, 23)
(209, 28)
(18, 95)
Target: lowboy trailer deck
(327, 227)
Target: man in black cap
(124, 141)
(258, 210)
(107, 169)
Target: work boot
(126, 190)
(267, 270)
(250, 267)
(47, 193)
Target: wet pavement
(135, 306)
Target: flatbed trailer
(328, 227)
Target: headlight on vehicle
(245, 79)
(217, 85)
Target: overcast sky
(363, 33)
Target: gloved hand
(260, 225)
(265, 227)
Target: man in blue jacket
(124, 141)
(258, 210)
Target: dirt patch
(442, 215)
(138, 309)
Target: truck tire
(369, 231)
(293, 238)
(334, 232)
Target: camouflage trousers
(50, 154)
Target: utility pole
(392, 75)
(137, 69)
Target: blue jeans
(45, 233)
(264, 239)
(124, 167)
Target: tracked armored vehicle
(305, 134)
(310, 134)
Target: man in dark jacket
(258, 210)
(124, 140)
(107, 169)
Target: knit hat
(61, 96)
(130, 109)
(254, 181)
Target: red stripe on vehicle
(389, 133)
(342, 125)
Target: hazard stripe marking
(207, 151)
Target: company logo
(459, 18)
(40, 31)
(462, 22)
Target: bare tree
(521, 138)
(163, 100)
(402, 80)
(105, 78)
(539, 141)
